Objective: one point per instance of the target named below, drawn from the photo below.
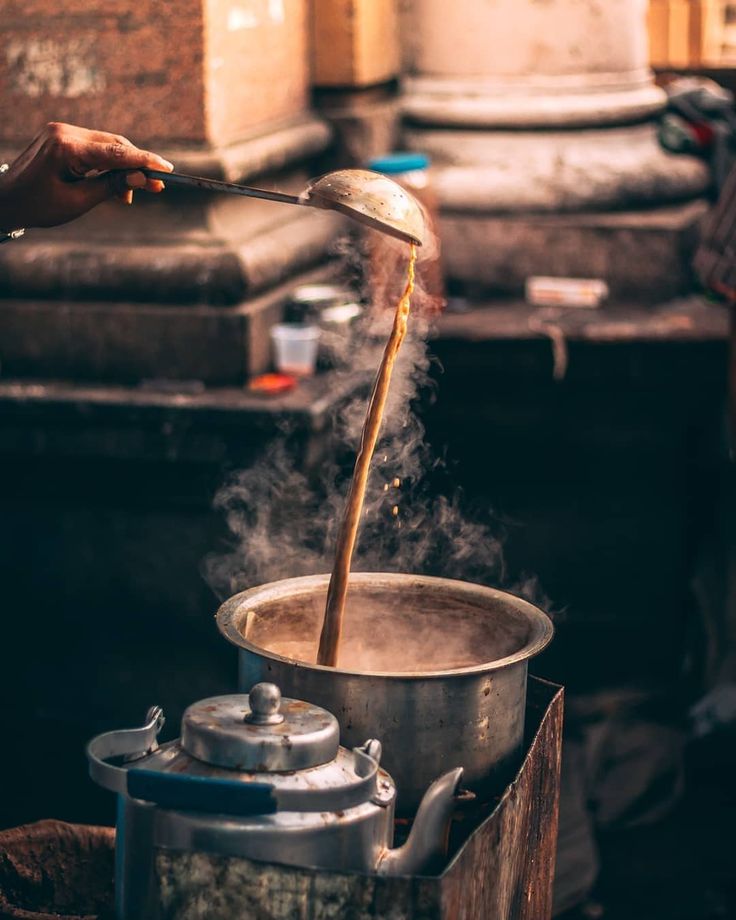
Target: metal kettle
(264, 778)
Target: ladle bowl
(372, 199)
(367, 197)
(436, 669)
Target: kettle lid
(260, 732)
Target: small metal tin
(321, 295)
(307, 301)
(340, 316)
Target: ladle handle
(215, 185)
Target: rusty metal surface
(506, 869)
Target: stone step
(644, 256)
(129, 342)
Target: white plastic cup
(295, 348)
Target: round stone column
(520, 63)
(543, 107)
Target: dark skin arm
(49, 183)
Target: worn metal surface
(429, 721)
(502, 871)
(364, 196)
(355, 838)
(220, 731)
(371, 199)
(335, 814)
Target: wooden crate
(502, 871)
(354, 42)
(685, 33)
(706, 31)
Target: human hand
(57, 177)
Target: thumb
(91, 192)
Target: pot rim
(233, 611)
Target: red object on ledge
(272, 384)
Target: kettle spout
(427, 843)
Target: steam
(283, 519)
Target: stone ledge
(271, 150)
(93, 421)
(557, 171)
(193, 265)
(644, 256)
(128, 342)
(691, 319)
(530, 103)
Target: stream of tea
(337, 593)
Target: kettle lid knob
(260, 732)
(265, 703)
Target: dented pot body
(428, 721)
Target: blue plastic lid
(395, 163)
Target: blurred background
(575, 385)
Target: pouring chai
(337, 592)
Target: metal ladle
(368, 197)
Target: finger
(84, 156)
(90, 192)
(85, 135)
(126, 197)
(135, 180)
(105, 137)
(139, 180)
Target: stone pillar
(219, 88)
(541, 120)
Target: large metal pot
(430, 719)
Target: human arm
(49, 183)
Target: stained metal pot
(430, 720)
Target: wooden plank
(707, 23)
(354, 42)
(685, 33)
(669, 33)
(657, 24)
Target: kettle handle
(127, 742)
